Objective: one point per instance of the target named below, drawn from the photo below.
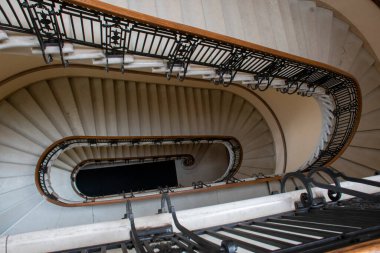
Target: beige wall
(301, 121)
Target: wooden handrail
(162, 23)
(60, 145)
(342, 80)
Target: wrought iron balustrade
(48, 158)
(335, 190)
(319, 229)
(119, 32)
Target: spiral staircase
(37, 113)
(297, 27)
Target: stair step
(11, 216)
(98, 103)
(214, 20)
(16, 170)
(15, 183)
(144, 6)
(278, 27)
(26, 105)
(351, 48)
(309, 27)
(43, 95)
(46, 211)
(10, 138)
(370, 121)
(371, 101)
(110, 107)
(82, 95)
(121, 108)
(154, 109)
(261, 12)
(192, 13)
(299, 32)
(174, 13)
(362, 63)
(17, 122)
(142, 93)
(67, 160)
(11, 199)
(353, 169)
(367, 139)
(121, 3)
(63, 94)
(248, 21)
(232, 23)
(324, 32)
(338, 36)
(369, 81)
(264, 163)
(365, 156)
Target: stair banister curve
(184, 45)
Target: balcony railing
(46, 161)
(326, 227)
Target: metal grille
(305, 230)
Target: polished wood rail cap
(364, 247)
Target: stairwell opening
(116, 179)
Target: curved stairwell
(34, 117)
(62, 169)
(213, 159)
(299, 27)
(294, 26)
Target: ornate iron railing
(335, 190)
(119, 32)
(46, 161)
(322, 229)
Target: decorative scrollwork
(350, 107)
(43, 16)
(116, 41)
(230, 66)
(333, 191)
(295, 82)
(265, 77)
(180, 56)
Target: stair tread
(192, 13)
(324, 32)
(214, 20)
(309, 26)
(339, 34)
(362, 63)
(351, 47)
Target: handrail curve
(46, 161)
(119, 32)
